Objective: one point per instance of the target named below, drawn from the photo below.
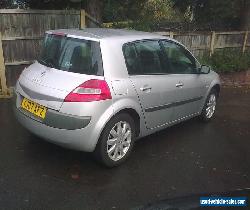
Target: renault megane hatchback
(97, 90)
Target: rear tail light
(91, 90)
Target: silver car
(98, 90)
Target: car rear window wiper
(45, 63)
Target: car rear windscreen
(71, 54)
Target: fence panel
(226, 40)
(21, 50)
(200, 43)
(197, 43)
(22, 32)
(30, 23)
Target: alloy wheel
(211, 105)
(119, 140)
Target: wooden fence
(21, 34)
(200, 43)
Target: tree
(11, 4)
(141, 14)
(217, 14)
(51, 4)
(93, 7)
(156, 12)
(149, 14)
(4, 4)
(245, 14)
(122, 10)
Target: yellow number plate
(34, 108)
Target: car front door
(190, 84)
(156, 89)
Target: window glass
(143, 57)
(73, 55)
(149, 53)
(179, 60)
(131, 58)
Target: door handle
(145, 88)
(180, 84)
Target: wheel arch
(217, 88)
(99, 152)
(130, 111)
(136, 117)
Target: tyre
(209, 108)
(116, 141)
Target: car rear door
(156, 90)
(191, 86)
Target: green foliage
(121, 10)
(41, 4)
(213, 14)
(121, 24)
(153, 13)
(144, 15)
(227, 60)
(12, 4)
(149, 15)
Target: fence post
(3, 85)
(82, 19)
(212, 43)
(245, 42)
(171, 34)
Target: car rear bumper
(72, 132)
(79, 139)
(59, 120)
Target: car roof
(98, 34)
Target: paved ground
(186, 159)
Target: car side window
(179, 60)
(131, 59)
(143, 58)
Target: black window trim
(160, 41)
(100, 71)
(140, 41)
(186, 50)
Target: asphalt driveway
(186, 159)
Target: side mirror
(204, 69)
